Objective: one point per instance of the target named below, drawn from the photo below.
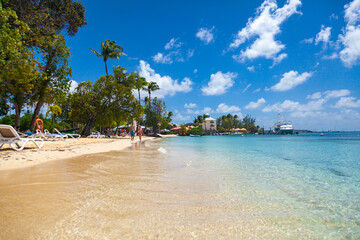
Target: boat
(282, 126)
(192, 135)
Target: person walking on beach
(139, 132)
(39, 124)
(132, 132)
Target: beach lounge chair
(96, 135)
(74, 136)
(9, 135)
(45, 135)
(54, 136)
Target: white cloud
(251, 69)
(195, 70)
(223, 108)
(330, 57)
(173, 44)
(73, 86)
(290, 80)
(190, 53)
(308, 40)
(246, 88)
(346, 119)
(348, 102)
(316, 95)
(257, 90)
(291, 106)
(336, 93)
(161, 58)
(206, 110)
(323, 36)
(179, 117)
(167, 85)
(265, 26)
(190, 105)
(316, 103)
(279, 59)
(205, 35)
(350, 55)
(255, 105)
(219, 83)
(333, 16)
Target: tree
(140, 84)
(54, 75)
(54, 110)
(109, 49)
(47, 20)
(103, 102)
(17, 63)
(152, 86)
(197, 131)
(156, 116)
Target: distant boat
(192, 135)
(283, 126)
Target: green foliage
(104, 102)
(17, 63)
(109, 49)
(196, 131)
(183, 130)
(228, 122)
(156, 117)
(25, 121)
(8, 120)
(43, 78)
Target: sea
(304, 186)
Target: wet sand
(138, 193)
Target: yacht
(282, 126)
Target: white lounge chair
(74, 136)
(54, 136)
(96, 135)
(44, 136)
(11, 137)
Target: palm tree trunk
(149, 100)
(139, 96)
(106, 69)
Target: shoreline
(59, 150)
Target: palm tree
(54, 110)
(140, 84)
(109, 49)
(152, 86)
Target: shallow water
(223, 187)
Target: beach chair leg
(18, 147)
(42, 143)
(1, 145)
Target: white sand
(56, 150)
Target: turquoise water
(302, 186)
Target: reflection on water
(137, 193)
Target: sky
(300, 58)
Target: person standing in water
(139, 132)
(39, 124)
(132, 132)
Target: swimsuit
(132, 133)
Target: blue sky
(297, 57)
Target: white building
(209, 125)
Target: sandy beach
(57, 150)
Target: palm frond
(96, 52)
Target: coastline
(59, 150)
